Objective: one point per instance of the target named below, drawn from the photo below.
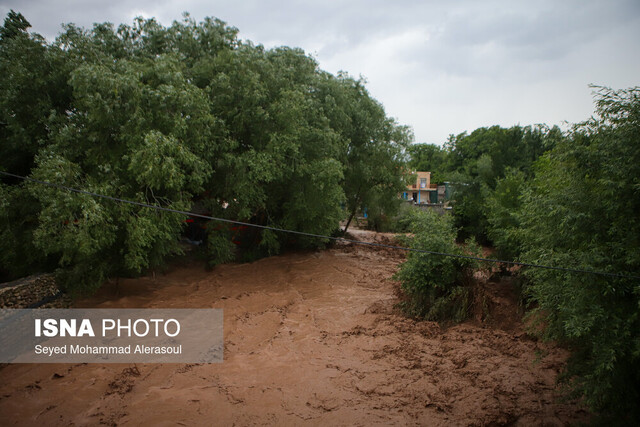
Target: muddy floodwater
(310, 338)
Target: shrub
(407, 214)
(220, 248)
(437, 287)
(581, 211)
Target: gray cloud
(439, 66)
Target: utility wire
(320, 236)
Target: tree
(15, 25)
(502, 208)
(429, 158)
(32, 89)
(138, 131)
(374, 154)
(581, 211)
(477, 161)
(437, 287)
(176, 117)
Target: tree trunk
(353, 212)
(346, 227)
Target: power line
(319, 236)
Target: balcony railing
(429, 187)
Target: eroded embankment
(308, 337)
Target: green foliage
(502, 207)
(573, 201)
(469, 207)
(516, 147)
(374, 153)
(168, 116)
(15, 25)
(32, 89)
(474, 164)
(403, 221)
(581, 211)
(220, 248)
(437, 287)
(19, 257)
(383, 210)
(479, 160)
(429, 158)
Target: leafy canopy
(581, 211)
(186, 117)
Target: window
(423, 182)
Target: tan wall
(423, 195)
(416, 185)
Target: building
(445, 191)
(421, 191)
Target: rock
(38, 290)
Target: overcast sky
(440, 66)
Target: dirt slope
(309, 338)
